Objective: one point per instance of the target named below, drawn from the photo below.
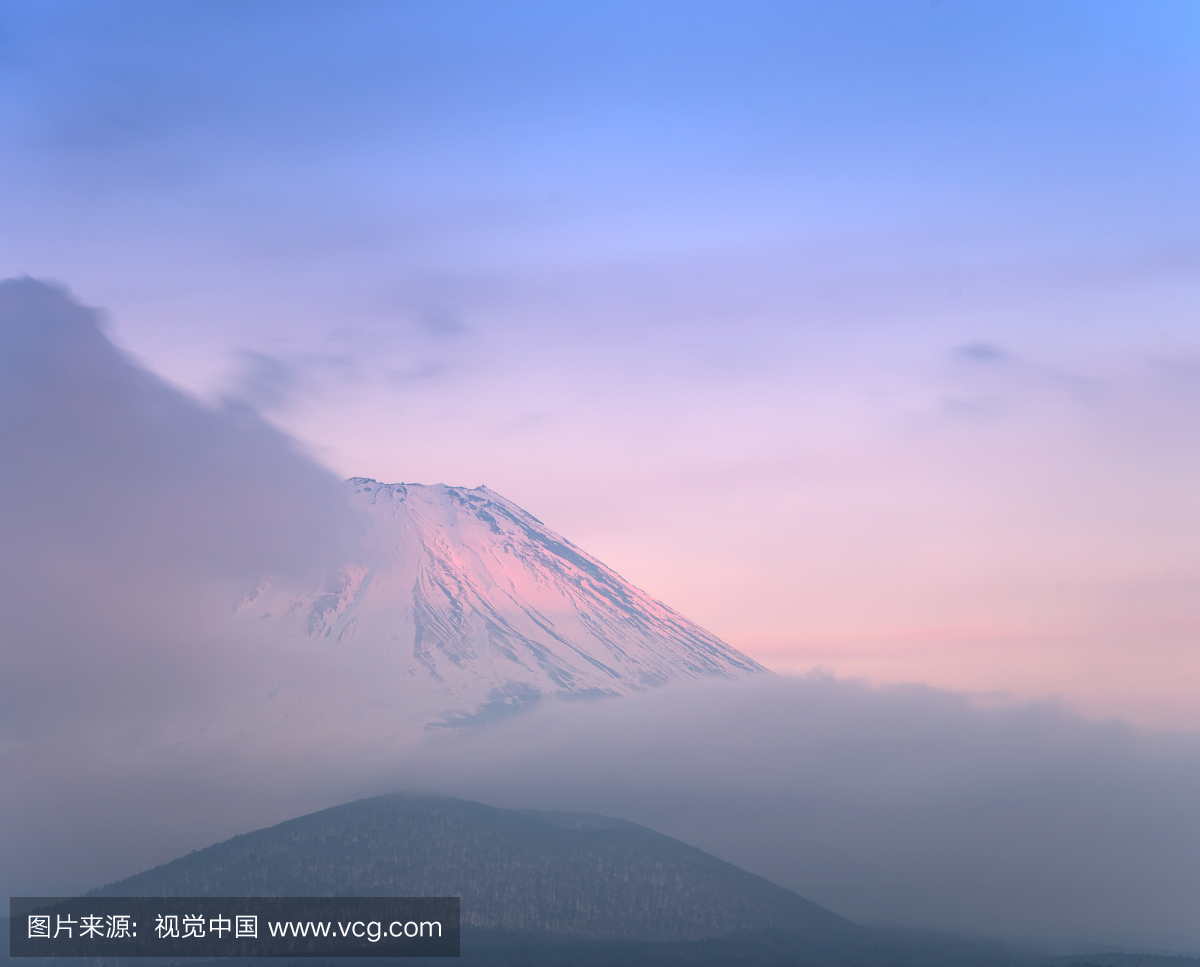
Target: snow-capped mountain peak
(482, 609)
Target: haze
(863, 335)
(142, 720)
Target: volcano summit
(478, 608)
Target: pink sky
(899, 503)
(865, 337)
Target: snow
(473, 608)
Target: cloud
(137, 722)
(103, 451)
(424, 373)
(982, 352)
(132, 517)
(265, 382)
(903, 804)
(443, 323)
(900, 805)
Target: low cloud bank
(137, 721)
(904, 805)
(900, 805)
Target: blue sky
(862, 333)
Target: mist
(900, 805)
(139, 720)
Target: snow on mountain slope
(472, 607)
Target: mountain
(550, 889)
(474, 608)
(572, 875)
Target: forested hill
(567, 875)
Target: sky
(862, 334)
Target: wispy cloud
(265, 381)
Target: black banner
(234, 927)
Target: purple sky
(864, 335)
